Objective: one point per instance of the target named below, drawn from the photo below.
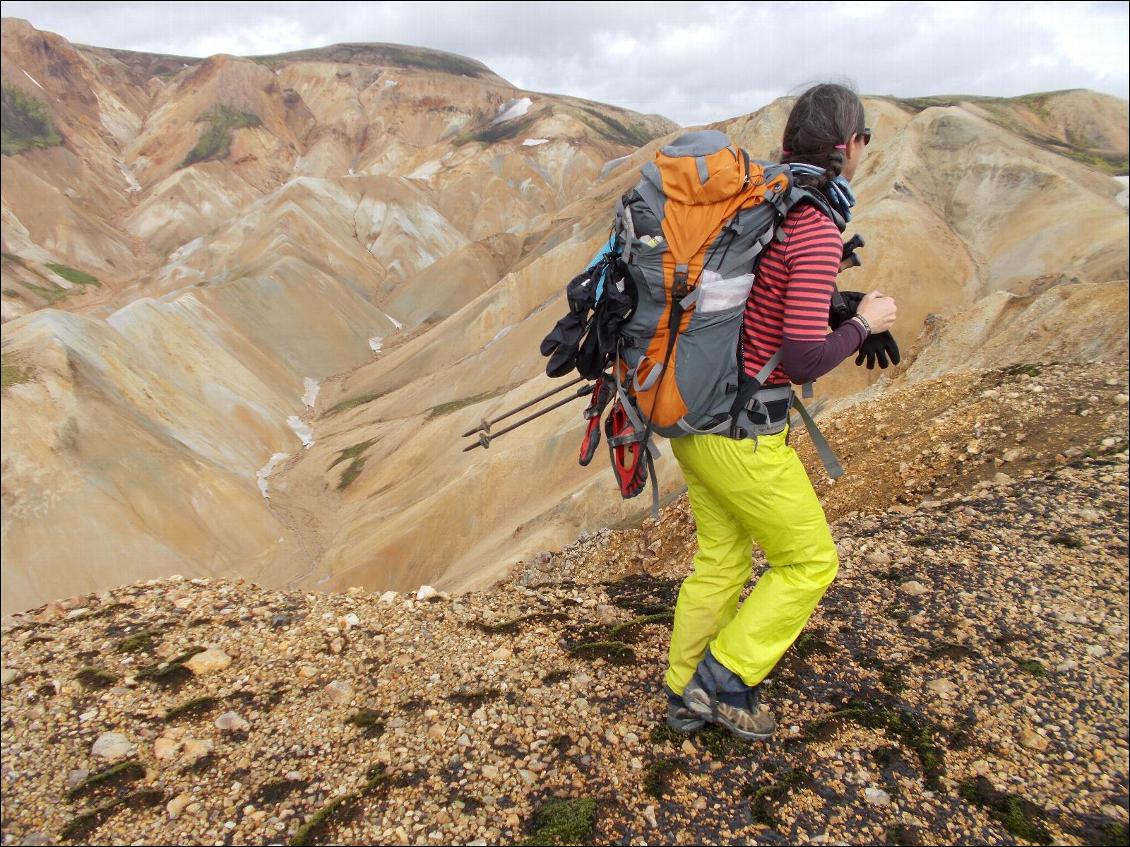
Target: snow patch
(395, 322)
(512, 109)
(534, 142)
(375, 343)
(500, 334)
(611, 165)
(33, 79)
(303, 430)
(391, 83)
(264, 472)
(131, 180)
(311, 395)
(1123, 198)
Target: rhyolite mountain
(250, 304)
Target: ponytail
(822, 121)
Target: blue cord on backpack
(606, 250)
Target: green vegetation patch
(13, 374)
(1034, 667)
(215, 143)
(913, 731)
(614, 652)
(349, 476)
(73, 275)
(25, 123)
(86, 822)
(171, 674)
(350, 453)
(114, 775)
(138, 641)
(340, 808)
(472, 698)
(92, 678)
(514, 625)
(455, 405)
(554, 677)
(643, 620)
(764, 799)
(498, 132)
(1021, 818)
(1068, 540)
(657, 777)
(192, 708)
(563, 821)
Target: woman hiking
(756, 490)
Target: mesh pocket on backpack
(716, 294)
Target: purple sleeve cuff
(804, 361)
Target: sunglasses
(865, 135)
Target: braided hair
(822, 121)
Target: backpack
(667, 294)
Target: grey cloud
(694, 62)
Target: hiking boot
(718, 695)
(679, 717)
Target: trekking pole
(485, 425)
(485, 438)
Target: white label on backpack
(717, 294)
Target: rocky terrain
(963, 681)
(251, 303)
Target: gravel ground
(964, 680)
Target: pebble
(426, 592)
(1096, 650)
(177, 805)
(340, 692)
(876, 796)
(210, 661)
(1032, 740)
(689, 748)
(195, 749)
(913, 588)
(942, 686)
(231, 722)
(165, 747)
(8, 676)
(112, 745)
(877, 558)
(389, 597)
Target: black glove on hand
(879, 346)
(844, 305)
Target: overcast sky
(693, 62)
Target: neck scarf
(837, 192)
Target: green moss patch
(86, 822)
(614, 652)
(340, 808)
(215, 143)
(764, 799)
(350, 453)
(73, 275)
(563, 821)
(25, 123)
(472, 698)
(92, 677)
(171, 674)
(1020, 817)
(514, 625)
(138, 642)
(455, 405)
(1034, 667)
(913, 731)
(643, 620)
(657, 777)
(192, 708)
(111, 777)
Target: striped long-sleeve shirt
(788, 305)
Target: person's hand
(881, 348)
(879, 311)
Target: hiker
(745, 490)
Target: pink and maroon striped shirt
(791, 295)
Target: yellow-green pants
(741, 493)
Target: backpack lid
(699, 168)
